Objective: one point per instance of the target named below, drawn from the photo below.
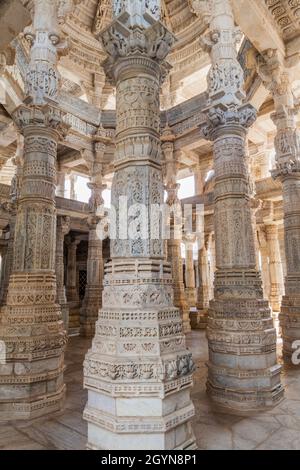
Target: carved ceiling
(83, 77)
(91, 16)
(287, 16)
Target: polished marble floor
(276, 429)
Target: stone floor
(276, 429)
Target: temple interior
(185, 335)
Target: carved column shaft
(287, 145)
(93, 293)
(138, 355)
(242, 372)
(275, 267)
(61, 184)
(203, 288)
(174, 241)
(32, 284)
(71, 291)
(190, 280)
(63, 227)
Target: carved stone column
(12, 207)
(71, 288)
(73, 179)
(287, 145)
(275, 267)
(61, 184)
(175, 220)
(265, 267)
(31, 382)
(3, 277)
(243, 375)
(199, 178)
(93, 293)
(63, 228)
(212, 264)
(190, 280)
(203, 288)
(138, 372)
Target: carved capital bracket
(63, 224)
(220, 119)
(44, 117)
(121, 41)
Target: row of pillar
(138, 372)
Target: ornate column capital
(129, 42)
(63, 224)
(47, 42)
(226, 77)
(222, 119)
(45, 117)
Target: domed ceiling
(186, 58)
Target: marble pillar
(92, 301)
(62, 229)
(61, 184)
(190, 279)
(138, 371)
(73, 179)
(71, 288)
(203, 288)
(265, 267)
(275, 267)
(16, 182)
(272, 69)
(212, 264)
(31, 382)
(173, 247)
(243, 374)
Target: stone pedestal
(138, 371)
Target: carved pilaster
(243, 375)
(138, 371)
